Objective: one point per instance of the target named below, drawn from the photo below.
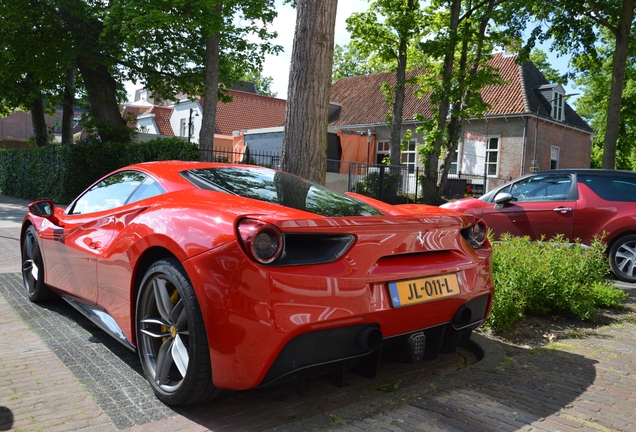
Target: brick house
(247, 111)
(18, 126)
(500, 146)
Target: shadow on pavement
(447, 391)
(6, 419)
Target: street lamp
(196, 114)
(535, 167)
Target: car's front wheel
(171, 337)
(32, 268)
(623, 258)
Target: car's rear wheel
(32, 268)
(171, 337)
(623, 258)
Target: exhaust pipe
(369, 339)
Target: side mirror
(43, 208)
(501, 199)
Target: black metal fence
(228, 155)
(394, 184)
(408, 184)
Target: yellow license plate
(422, 290)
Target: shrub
(60, 173)
(552, 277)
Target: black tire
(623, 258)
(171, 337)
(33, 269)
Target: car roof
(168, 172)
(592, 171)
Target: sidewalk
(12, 211)
(58, 372)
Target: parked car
(576, 203)
(228, 277)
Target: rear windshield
(611, 187)
(280, 188)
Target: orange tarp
(355, 148)
(238, 148)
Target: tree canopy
(593, 103)
(162, 45)
(574, 28)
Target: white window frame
(408, 157)
(489, 155)
(455, 165)
(555, 155)
(382, 148)
(183, 127)
(558, 102)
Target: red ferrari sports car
(228, 277)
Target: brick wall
(17, 125)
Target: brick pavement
(59, 372)
(36, 390)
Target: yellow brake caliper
(174, 298)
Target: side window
(382, 151)
(147, 189)
(611, 188)
(542, 188)
(408, 156)
(109, 193)
(492, 157)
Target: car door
(85, 228)
(542, 205)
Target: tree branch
(596, 16)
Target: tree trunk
(211, 94)
(68, 107)
(618, 80)
(456, 122)
(39, 123)
(395, 151)
(102, 94)
(431, 193)
(306, 118)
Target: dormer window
(551, 101)
(143, 95)
(557, 106)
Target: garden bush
(549, 278)
(60, 173)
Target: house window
(57, 125)
(408, 156)
(454, 159)
(492, 157)
(382, 151)
(143, 95)
(557, 106)
(183, 128)
(554, 157)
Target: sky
(277, 67)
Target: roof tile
(249, 111)
(363, 103)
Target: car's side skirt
(103, 321)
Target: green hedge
(60, 173)
(549, 278)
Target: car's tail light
(476, 234)
(262, 241)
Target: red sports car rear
(233, 277)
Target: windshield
(279, 188)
